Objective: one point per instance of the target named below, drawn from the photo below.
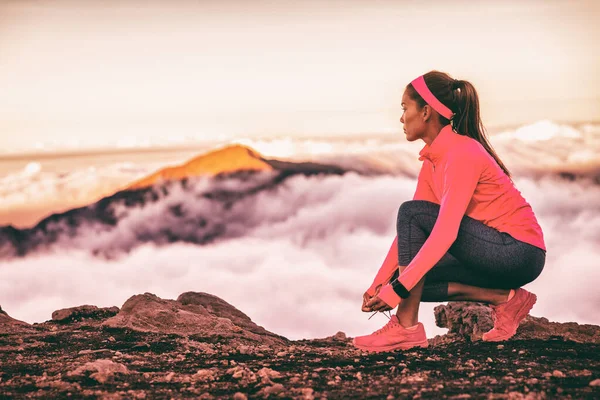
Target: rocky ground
(201, 347)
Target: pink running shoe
(392, 336)
(507, 316)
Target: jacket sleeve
(424, 191)
(462, 171)
(390, 264)
(387, 269)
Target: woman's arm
(387, 269)
(390, 264)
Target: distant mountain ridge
(224, 160)
(235, 173)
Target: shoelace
(388, 316)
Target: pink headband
(421, 88)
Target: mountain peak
(227, 159)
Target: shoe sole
(401, 346)
(521, 314)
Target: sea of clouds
(316, 243)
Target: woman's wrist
(386, 272)
(389, 297)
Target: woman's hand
(376, 304)
(368, 299)
(386, 299)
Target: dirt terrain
(198, 346)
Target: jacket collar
(439, 146)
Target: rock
(11, 325)
(169, 377)
(221, 309)
(469, 320)
(461, 396)
(267, 374)
(558, 374)
(240, 396)
(59, 385)
(244, 349)
(541, 328)
(439, 340)
(466, 319)
(102, 370)
(199, 314)
(85, 311)
(244, 375)
(271, 390)
(307, 393)
(204, 375)
(595, 382)
(87, 351)
(341, 336)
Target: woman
(468, 234)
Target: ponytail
(461, 97)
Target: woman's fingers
(376, 304)
(366, 299)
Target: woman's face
(412, 118)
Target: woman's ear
(426, 112)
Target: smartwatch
(400, 289)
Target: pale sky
(95, 73)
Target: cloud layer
(305, 253)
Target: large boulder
(464, 319)
(468, 320)
(198, 314)
(11, 325)
(541, 328)
(83, 312)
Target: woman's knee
(411, 207)
(532, 273)
(528, 270)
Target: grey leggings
(481, 256)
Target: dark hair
(460, 97)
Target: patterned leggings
(481, 256)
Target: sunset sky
(126, 73)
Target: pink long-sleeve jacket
(464, 179)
